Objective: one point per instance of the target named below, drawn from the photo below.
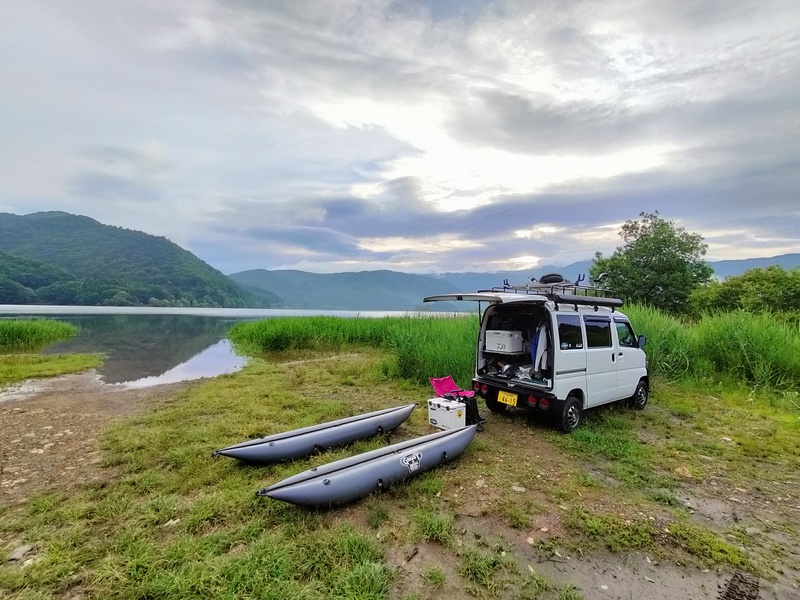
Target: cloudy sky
(415, 135)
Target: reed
(670, 342)
(740, 347)
(423, 346)
(757, 348)
(32, 334)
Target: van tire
(495, 406)
(571, 415)
(639, 399)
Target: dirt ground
(49, 432)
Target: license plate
(506, 398)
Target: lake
(153, 345)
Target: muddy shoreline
(50, 430)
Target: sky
(424, 136)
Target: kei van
(556, 349)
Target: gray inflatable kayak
(303, 442)
(352, 478)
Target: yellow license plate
(506, 398)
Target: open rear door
(475, 297)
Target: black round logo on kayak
(412, 461)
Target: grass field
(170, 522)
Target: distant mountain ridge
(59, 258)
(363, 290)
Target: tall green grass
(744, 347)
(422, 346)
(670, 342)
(32, 334)
(758, 348)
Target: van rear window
(570, 336)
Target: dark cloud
(305, 133)
(104, 187)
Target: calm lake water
(149, 346)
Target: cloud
(420, 135)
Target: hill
(79, 261)
(364, 290)
(728, 268)
(484, 281)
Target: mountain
(79, 261)
(364, 290)
(466, 282)
(728, 268)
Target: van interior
(532, 362)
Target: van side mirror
(642, 341)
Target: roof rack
(563, 291)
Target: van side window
(598, 333)
(570, 336)
(625, 334)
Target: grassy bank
(20, 339)
(168, 521)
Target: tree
(772, 289)
(659, 264)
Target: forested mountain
(21, 277)
(364, 290)
(59, 258)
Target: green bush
(32, 334)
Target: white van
(556, 349)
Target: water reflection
(150, 349)
(214, 360)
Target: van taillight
(544, 404)
(484, 388)
(531, 400)
(476, 386)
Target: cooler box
(504, 342)
(447, 414)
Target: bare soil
(49, 432)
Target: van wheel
(495, 406)
(572, 415)
(639, 399)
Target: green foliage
(709, 547)
(773, 289)
(658, 265)
(754, 347)
(669, 342)
(738, 346)
(19, 367)
(32, 334)
(616, 533)
(480, 567)
(59, 258)
(423, 346)
(435, 527)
